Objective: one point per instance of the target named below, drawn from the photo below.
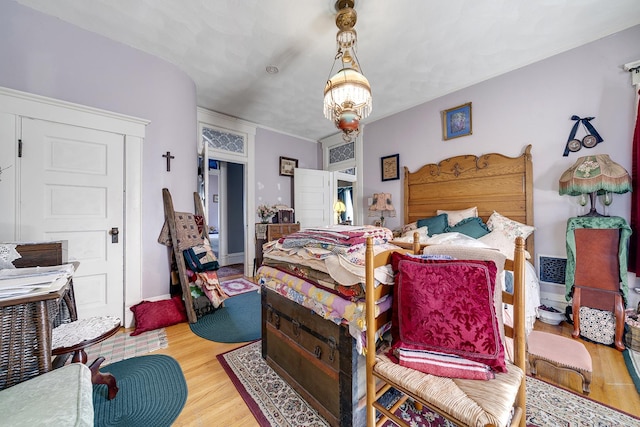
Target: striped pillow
(443, 365)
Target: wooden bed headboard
(492, 182)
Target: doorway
(230, 140)
(226, 197)
(345, 195)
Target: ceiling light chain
(347, 94)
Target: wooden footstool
(561, 353)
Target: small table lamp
(339, 208)
(594, 175)
(381, 204)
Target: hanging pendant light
(347, 94)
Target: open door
(313, 197)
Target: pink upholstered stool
(561, 353)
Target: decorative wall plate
(574, 145)
(589, 141)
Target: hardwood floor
(214, 401)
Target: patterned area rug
(123, 346)
(238, 286)
(274, 403)
(230, 270)
(632, 360)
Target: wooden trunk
(316, 357)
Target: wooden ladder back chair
(170, 218)
(415, 385)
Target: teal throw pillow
(472, 227)
(436, 224)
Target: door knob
(114, 234)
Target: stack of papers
(26, 281)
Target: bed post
(371, 333)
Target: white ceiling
(412, 51)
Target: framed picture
(287, 166)
(285, 216)
(456, 122)
(215, 198)
(390, 167)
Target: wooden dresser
(267, 232)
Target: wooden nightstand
(267, 232)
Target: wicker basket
(632, 337)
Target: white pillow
(455, 238)
(408, 236)
(510, 227)
(503, 242)
(457, 216)
(409, 227)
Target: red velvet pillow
(396, 257)
(447, 306)
(150, 315)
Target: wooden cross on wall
(168, 156)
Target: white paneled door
(71, 188)
(312, 197)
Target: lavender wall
(532, 105)
(45, 56)
(271, 188)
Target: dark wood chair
(77, 335)
(597, 277)
(72, 337)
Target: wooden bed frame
(301, 346)
(492, 182)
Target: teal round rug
(152, 392)
(237, 321)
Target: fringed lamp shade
(381, 203)
(593, 175)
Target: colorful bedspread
(338, 239)
(337, 251)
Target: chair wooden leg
(575, 308)
(620, 317)
(106, 378)
(80, 356)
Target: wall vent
(552, 269)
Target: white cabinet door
(71, 188)
(313, 200)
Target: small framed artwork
(285, 216)
(390, 167)
(287, 166)
(456, 122)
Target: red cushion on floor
(150, 315)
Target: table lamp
(595, 175)
(381, 203)
(339, 208)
